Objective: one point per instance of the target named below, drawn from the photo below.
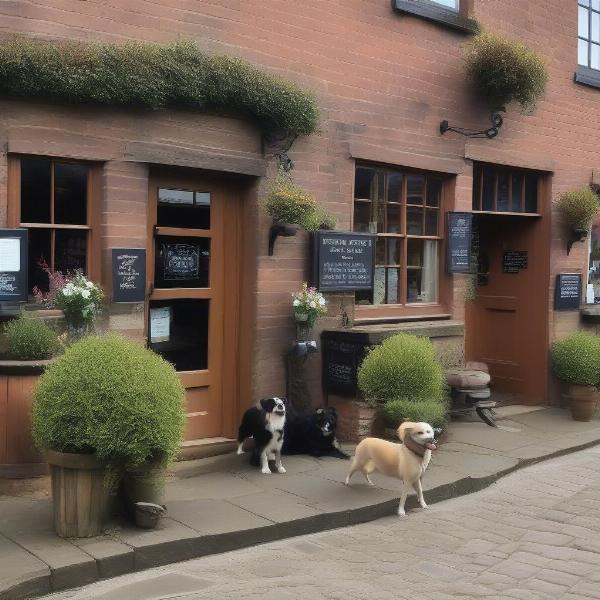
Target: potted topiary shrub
(576, 362)
(404, 380)
(107, 406)
(578, 208)
(503, 71)
(30, 345)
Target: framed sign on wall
(13, 265)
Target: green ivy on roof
(154, 76)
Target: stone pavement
(534, 535)
(221, 504)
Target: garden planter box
(356, 420)
(18, 456)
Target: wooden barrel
(79, 493)
(18, 455)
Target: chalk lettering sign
(513, 262)
(458, 246)
(343, 261)
(181, 261)
(342, 354)
(567, 292)
(13, 265)
(128, 274)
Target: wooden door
(186, 308)
(506, 325)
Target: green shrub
(404, 366)
(504, 70)
(576, 358)
(30, 339)
(289, 203)
(427, 411)
(153, 76)
(579, 207)
(111, 396)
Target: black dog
(266, 425)
(312, 433)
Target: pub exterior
(91, 183)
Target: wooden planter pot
(583, 401)
(356, 420)
(79, 493)
(18, 455)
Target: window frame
(591, 11)
(399, 311)
(93, 258)
(453, 18)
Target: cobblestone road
(534, 535)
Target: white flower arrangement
(309, 302)
(80, 300)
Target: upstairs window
(588, 32)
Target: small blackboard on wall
(458, 244)
(129, 274)
(13, 265)
(567, 292)
(343, 261)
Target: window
(54, 207)
(588, 32)
(404, 209)
(503, 190)
(446, 13)
(593, 282)
(453, 4)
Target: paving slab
(222, 503)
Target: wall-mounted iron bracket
(280, 229)
(278, 144)
(577, 235)
(491, 132)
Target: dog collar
(418, 449)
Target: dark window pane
(531, 184)
(517, 192)
(434, 191)
(394, 212)
(394, 187)
(502, 201)
(394, 250)
(70, 251)
(378, 224)
(380, 252)
(477, 188)
(488, 189)
(179, 332)
(362, 182)
(393, 286)
(181, 208)
(364, 297)
(362, 216)
(39, 256)
(70, 194)
(431, 221)
(414, 220)
(415, 187)
(181, 262)
(35, 191)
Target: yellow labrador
(406, 461)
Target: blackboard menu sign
(513, 262)
(13, 265)
(129, 274)
(182, 261)
(567, 292)
(342, 354)
(458, 245)
(343, 261)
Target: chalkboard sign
(182, 261)
(458, 244)
(513, 262)
(13, 265)
(567, 293)
(343, 261)
(128, 274)
(342, 354)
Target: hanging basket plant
(145, 75)
(503, 71)
(578, 209)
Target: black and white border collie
(265, 423)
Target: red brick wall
(379, 78)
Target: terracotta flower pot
(583, 401)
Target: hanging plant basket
(578, 209)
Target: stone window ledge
(587, 76)
(436, 14)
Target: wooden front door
(506, 325)
(189, 317)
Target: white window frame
(588, 34)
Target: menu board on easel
(13, 265)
